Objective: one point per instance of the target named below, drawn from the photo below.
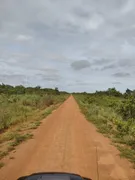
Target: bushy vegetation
(18, 103)
(114, 115)
(17, 108)
(21, 110)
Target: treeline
(111, 92)
(116, 93)
(8, 89)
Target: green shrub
(5, 119)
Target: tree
(57, 91)
(113, 92)
(128, 91)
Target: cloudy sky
(76, 45)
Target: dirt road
(67, 142)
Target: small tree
(57, 91)
(113, 92)
(128, 91)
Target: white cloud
(22, 37)
(95, 21)
(128, 7)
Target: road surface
(66, 142)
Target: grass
(47, 111)
(7, 136)
(127, 152)
(16, 140)
(19, 138)
(10, 148)
(3, 154)
(34, 125)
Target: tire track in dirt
(66, 142)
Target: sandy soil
(66, 142)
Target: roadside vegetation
(21, 111)
(113, 113)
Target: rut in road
(66, 142)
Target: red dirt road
(67, 142)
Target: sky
(75, 45)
